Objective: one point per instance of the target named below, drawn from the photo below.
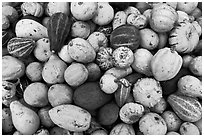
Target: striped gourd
(123, 92)
(187, 108)
(58, 30)
(6, 36)
(20, 47)
(126, 36)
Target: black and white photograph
(101, 68)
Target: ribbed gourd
(58, 29)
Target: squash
(58, 29)
(165, 64)
(163, 18)
(126, 36)
(184, 37)
(20, 47)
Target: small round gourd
(123, 57)
(152, 124)
(104, 58)
(163, 18)
(147, 91)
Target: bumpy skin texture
(131, 112)
(123, 57)
(147, 91)
(152, 124)
(165, 64)
(104, 58)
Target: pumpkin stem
(173, 49)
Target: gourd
(58, 29)
(125, 35)
(165, 64)
(163, 18)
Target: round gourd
(76, 74)
(123, 57)
(126, 36)
(163, 18)
(104, 58)
(149, 39)
(165, 64)
(184, 37)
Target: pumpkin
(165, 64)
(104, 58)
(58, 29)
(163, 18)
(126, 36)
(184, 37)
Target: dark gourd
(58, 30)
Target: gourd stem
(120, 82)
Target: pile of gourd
(98, 68)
